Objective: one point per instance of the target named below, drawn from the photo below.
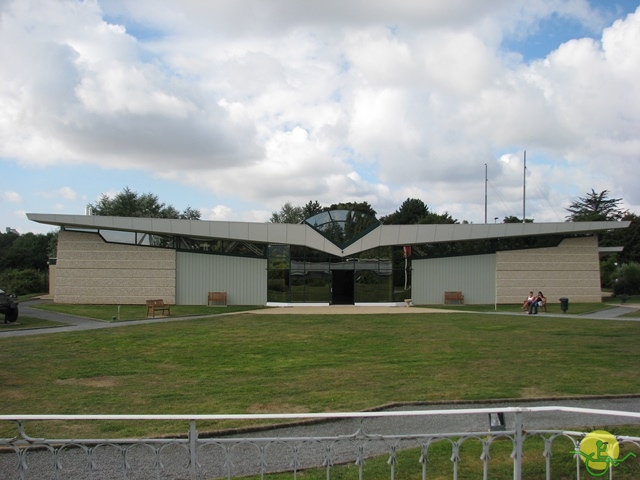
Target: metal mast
(524, 188)
(485, 193)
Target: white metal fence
(322, 440)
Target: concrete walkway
(614, 312)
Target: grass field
(123, 313)
(252, 363)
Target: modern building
(336, 257)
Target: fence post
(193, 450)
(517, 449)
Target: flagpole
(485, 193)
(524, 188)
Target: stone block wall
(89, 270)
(571, 270)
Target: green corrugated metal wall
(474, 276)
(244, 279)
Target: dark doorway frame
(343, 287)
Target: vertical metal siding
(244, 279)
(474, 276)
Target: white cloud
(261, 103)
(66, 193)
(12, 197)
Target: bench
(217, 298)
(541, 308)
(159, 306)
(453, 298)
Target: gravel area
(278, 449)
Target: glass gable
(342, 227)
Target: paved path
(612, 313)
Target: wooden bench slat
(217, 298)
(159, 306)
(453, 298)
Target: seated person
(527, 302)
(537, 302)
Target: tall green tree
(26, 251)
(415, 211)
(410, 212)
(514, 219)
(312, 208)
(628, 238)
(6, 240)
(595, 207)
(131, 204)
(288, 214)
(627, 279)
(362, 207)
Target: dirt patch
(97, 382)
(12, 395)
(533, 392)
(276, 408)
(345, 310)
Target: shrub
(23, 281)
(608, 269)
(627, 279)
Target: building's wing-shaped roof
(304, 235)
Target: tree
(415, 211)
(27, 251)
(514, 219)
(311, 209)
(130, 204)
(361, 207)
(629, 238)
(6, 240)
(410, 212)
(627, 279)
(437, 218)
(288, 214)
(595, 207)
(24, 261)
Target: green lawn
(114, 313)
(314, 363)
(552, 308)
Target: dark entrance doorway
(342, 287)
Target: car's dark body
(8, 307)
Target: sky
(235, 107)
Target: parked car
(8, 306)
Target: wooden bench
(217, 298)
(159, 306)
(541, 308)
(453, 298)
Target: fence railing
(322, 440)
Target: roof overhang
(304, 235)
(604, 251)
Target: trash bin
(564, 304)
